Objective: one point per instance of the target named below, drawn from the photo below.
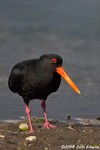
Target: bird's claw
(48, 125)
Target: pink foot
(48, 125)
(31, 131)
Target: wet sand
(65, 136)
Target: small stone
(45, 148)
(23, 127)
(98, 118)
(2, 136)
(31, 138)
(70, 127)
(68, 117)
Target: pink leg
(47, 124)
(28, 112)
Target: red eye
(54, 60)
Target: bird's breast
(41, 85)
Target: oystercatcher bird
(36, 79)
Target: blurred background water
(30, 28)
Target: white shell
(31, 138)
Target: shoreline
(65, 136)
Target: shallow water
(71, 29)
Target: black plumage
(36, 79)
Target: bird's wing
(15, 78)
(19, 71)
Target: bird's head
(54, 62)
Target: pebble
(2, 136)
(31, 138)
(71, 128)
(45, 148)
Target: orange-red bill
(62, 72)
